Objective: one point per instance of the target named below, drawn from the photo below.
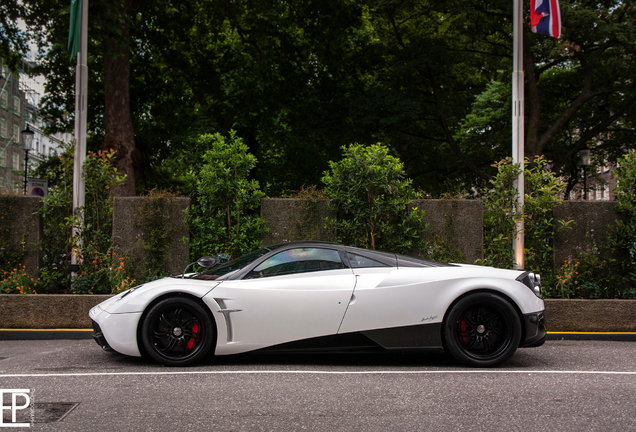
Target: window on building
(16, 104)
(16, 133)
(4, 99)
(16, 162)
(3, 129)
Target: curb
(45, 334)
(597, 336)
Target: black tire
(482, 329)
(178, 332)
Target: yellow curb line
(550, 332)
(86, 330)
(593, 333)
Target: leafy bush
(500, 216)
(10, 255)
(95, 230)
(371, 194)
(622, 238)
(607, 270)
(224, 214)
(589, 273)
(17, 281)
(542, 197)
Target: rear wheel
(177, 332)
(482, 329)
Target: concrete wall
(20, 222)
(37, 311)
(291, 219)
(128, 227)
(458, 222)
(598, 315)
(591, 222)
(71, 312)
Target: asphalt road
(561, 386)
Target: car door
(295, 294)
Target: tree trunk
(119, 133)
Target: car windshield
(230, 266)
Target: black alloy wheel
(178, 332)
(482, 329)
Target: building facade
(18, 108)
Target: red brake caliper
(195, 331)
(462, 327)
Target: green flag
(74, 29)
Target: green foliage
(371, 194)
(105, 274)
(299, 79)
(155, 234)
(17, 281)
(224, 214)
(606, 270)
(442, 250)
(590, 273)
(94, 232)
(10, 256)
(543, 191)
(622, 238)
(500, 216)
(56, 212)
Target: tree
(13, 42)
(223, 217)
(297, 80)
(108, 62)
(371, 194)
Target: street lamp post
(27, 139)
(585, 161)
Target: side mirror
(207, 261)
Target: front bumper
(98, 336)
(535, 329)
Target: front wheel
(177, 332)
(482, 329)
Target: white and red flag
(546, 17)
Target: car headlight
(532, 281)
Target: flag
(74, 29)
(546, 17)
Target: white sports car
(321, 296)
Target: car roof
(388, 258)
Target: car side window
(299, 260)
(359, 261)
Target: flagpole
(81, 89)
(518, 147)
